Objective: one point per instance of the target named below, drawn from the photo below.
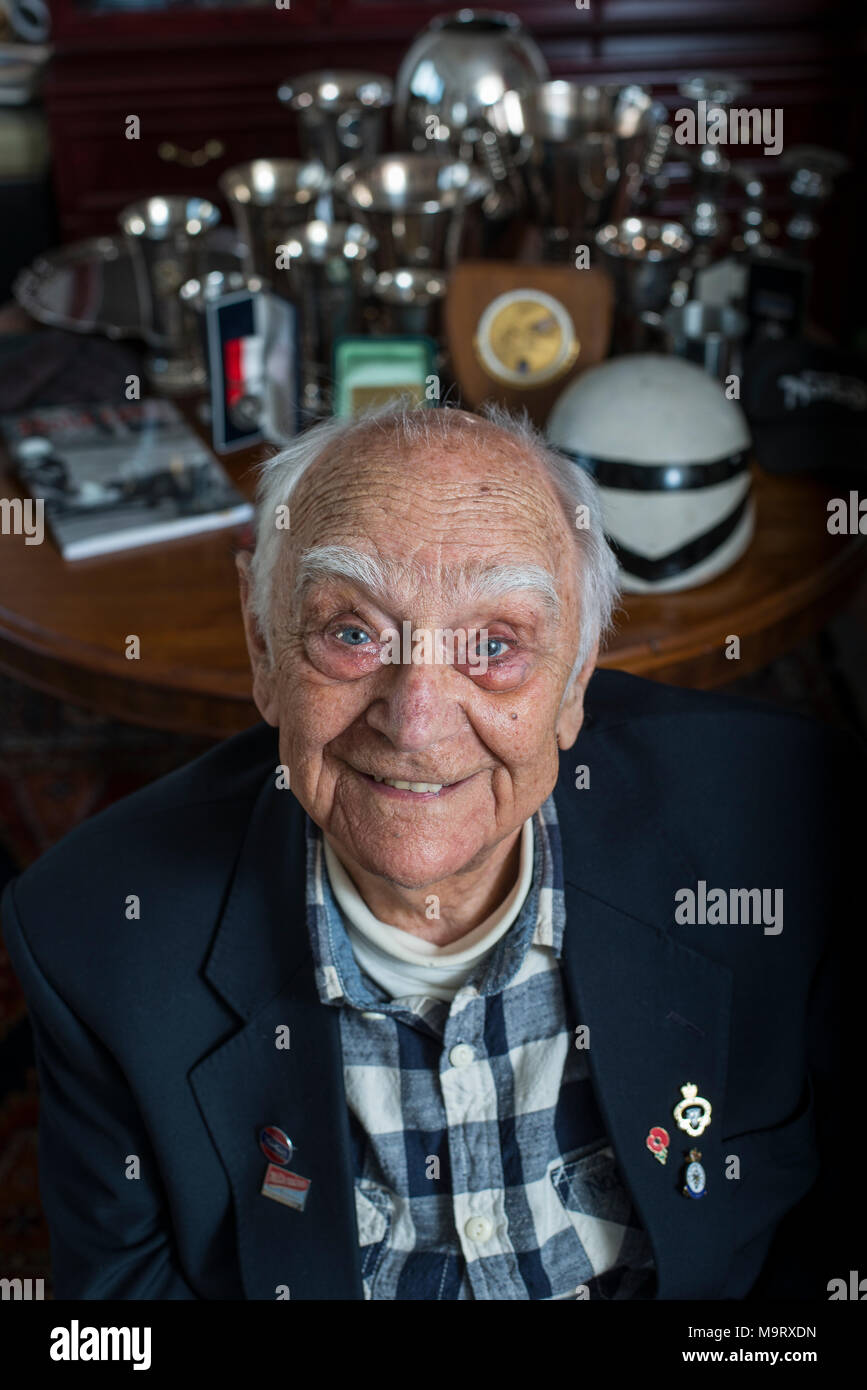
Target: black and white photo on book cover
(116, 476)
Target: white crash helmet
(670, 453)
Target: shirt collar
(540, 922)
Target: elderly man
(450, 979)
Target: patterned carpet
(60, 765)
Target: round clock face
(526, 338)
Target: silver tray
(89, 286)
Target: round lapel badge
(276, 1145)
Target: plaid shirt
(482, 1169)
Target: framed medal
(517, 333)
(526, 338)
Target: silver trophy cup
(581, 149)
(341, 114)
(327, 276)
(166, 235)
(644, 258)
(414, 204)
(411, 301)
(267, 196)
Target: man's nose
(418, 705)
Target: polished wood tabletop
(64, 624)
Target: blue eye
(354, 636)
(494, 642)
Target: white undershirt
(408, 966)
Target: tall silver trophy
(166, 236)
(327, 274)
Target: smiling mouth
(397, 786)
(411, 786)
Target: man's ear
(264, 675)
(571, 715)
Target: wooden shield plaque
(518, 333)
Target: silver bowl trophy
(457, 68)
(452, 76)
(90, 286)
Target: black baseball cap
(807, 407)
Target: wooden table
(63, 625)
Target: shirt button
(462, 1055)
(478, 1229)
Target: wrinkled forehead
(437, 513)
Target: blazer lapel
(261, 964)
(658, 1016)
(658, 1012)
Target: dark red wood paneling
(77, 28)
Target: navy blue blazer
(156, 1037)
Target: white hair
(411, 425)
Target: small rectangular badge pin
(289, 1188)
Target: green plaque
(372, 371)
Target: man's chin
(411, 869)
(410, 875)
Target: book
(112, 477)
